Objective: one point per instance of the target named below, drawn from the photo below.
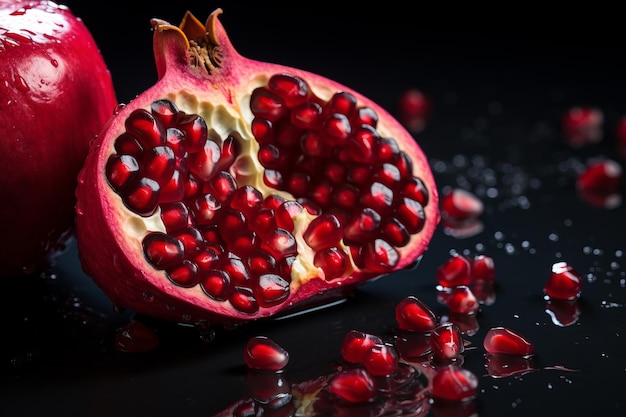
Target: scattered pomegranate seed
(135, 337)
(446, 341)
(461, 299)
(353, 385)
(454, 383)
(483, 268)
(582, 125)
(414, 109)
(603, 175)
(455, 271)
(263, 353)
(505, 341)
(356, 344)
(460, 204)
(564, 282)
(381, 360)
(412, 314)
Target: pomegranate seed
(506, 341)
(446, 341)
(135, 337)
(467, 323)
(332, 260)
(192, 239)
(271, 289)
(413, 109)
(600, 175)
(356, 343)
(159, 163)
(121, 170)
(163, 251)
(306, 115)
(165, 112)
(196, 132)
(415, 189)
(285, 213)
(564, 282)
(184, 275)
(248, 408)
(460, 204)
(335, 172)
(280, 244)
(582, 125)
(363, 226)
(380, 198)
(483, 268)
(455, 271)
(142, 196)
(175, 140)
(235, 268)
(265, 104)
(337, 129)
(365, 116)
(261, 352)
(454, 383)
(353, 385)
(380, 256)
(323, 231)
(412, 314)
(262, 129)
(205, 209)
(127, 144)
(216, 284)
(204, 163)
(411, 214)
(260, 262)
(246, 199)
(298, 183)
(380, 360)
(461, 299)
(362, 144)
(207, 259)
(243, 242)
(387, 174)
(222, 186)
(388, 150)
(484, 291)
(346, 196)
(242, 299)
(175, 216)
(405, 166)
(294, 90)
(146, 128)
(174, 189)
(263, 221)
(395, 232)
(342, 102)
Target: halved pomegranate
(235, 189)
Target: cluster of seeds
(238, 244)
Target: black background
(57, 353)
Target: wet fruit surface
(496, 137)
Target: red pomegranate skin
(110, 237)
(56, 93)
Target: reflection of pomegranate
(56, 94)
(235, 189)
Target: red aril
(414, 109)
(263, 353)
(353, 385)
(446, 341)
(301, 187)
(381, 360)
(582, 125)
(454, 383)
(501, 340)
(600, 175)
(461, 299)
(483, 268)
(356, 344)
(56, 95)
(455, 271)
(412, 314)
(564, 283)
(459, 205)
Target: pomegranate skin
(57, 93)
(110, 237)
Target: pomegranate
(57, 93)
(234, 189)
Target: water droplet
(119, 108)
(54, 63)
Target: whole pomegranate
(234, 189)
(56, 94)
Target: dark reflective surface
(497, 98)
